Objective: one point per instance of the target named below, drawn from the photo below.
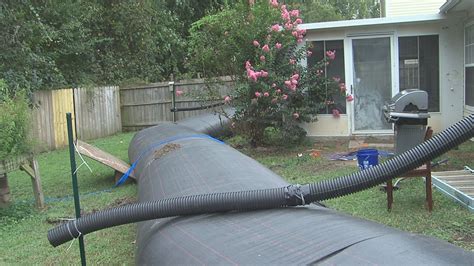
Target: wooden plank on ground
(103, 157)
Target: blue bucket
(367, 158)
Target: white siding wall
(451, 71)
(330, 126)
(451, 54)
(396, 8)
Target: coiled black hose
(268, 198)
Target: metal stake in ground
(172, 89)
(74, 184)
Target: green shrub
(262, 47)
(14, 123)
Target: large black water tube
(290, 195)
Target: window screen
(334, 69)
(469, 86)
(419, 66)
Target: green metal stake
(75, 188)
(172, 89)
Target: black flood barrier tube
(201, 177)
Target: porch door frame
(349, 63)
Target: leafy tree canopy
(47, 44)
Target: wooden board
(103, 157)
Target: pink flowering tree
(276, 89)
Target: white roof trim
(446, 7)
(371, 22)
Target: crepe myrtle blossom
(256, 43)
(262, 58)
(273, 85)
(292, 61)
(298, 33)
(179, 92)
(291, 84)
(258, 94)
(274, 3)
(296, 115)
(295, 13)
(284, 97)
(331, 54)
(227, 99)
(276, 27)
(253, 75)
(263, 73)
(266, 94)
(248, 65)
(278, 45)
(349, 98)
(284, 13)
(309, 53)
(278, 91)
(265, 48)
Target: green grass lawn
(23, 229)
(449, 220)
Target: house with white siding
(423, 44)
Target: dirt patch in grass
(165, 150)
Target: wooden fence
(104, 111)
(96, 113)
(145, 106)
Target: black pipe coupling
(295, 195)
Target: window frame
(342, 40)
(418, 36)
(467, 65)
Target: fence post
(173, 99)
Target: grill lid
(410, 103)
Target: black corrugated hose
(292, 195)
